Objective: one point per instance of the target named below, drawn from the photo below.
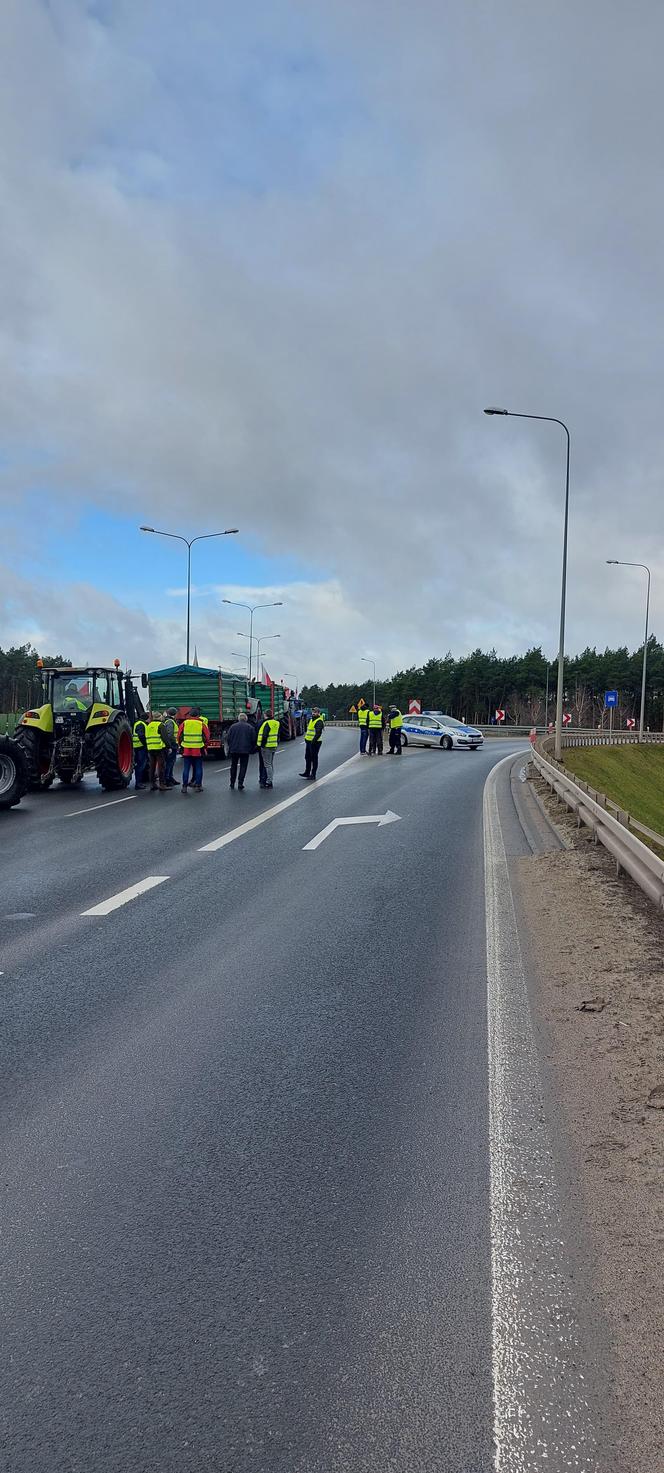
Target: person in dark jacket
(241, 742)
(171, 735)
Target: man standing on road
(171, 730)
(241, 742)
(140, 751)
(376, 724)
(362, 721)
(155, 741)
(396, 723)
(313, 737)
(193, 737)
(266, 741)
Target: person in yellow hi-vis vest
(376, 727)
(396, 723)
(155, 742)
(313, 737)
(266, 741)
(363, 723)
(193, 737)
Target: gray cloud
(475, 216)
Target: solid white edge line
(115, 901)
(76, 812)
(540, 1401)
(254, 823)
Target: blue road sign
(610, 698)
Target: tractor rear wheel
(13, 773)
(36, 751)
(114, 754)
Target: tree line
(474, 687)
(20, 684)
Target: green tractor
(84, 725)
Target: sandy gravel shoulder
(593, 935)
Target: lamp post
(263, 640)
(618, 562)
(252, 609)
(241, 655)
(368, 661)
(551, 419)
(189, 542)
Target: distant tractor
(84, 725)
(13, 773)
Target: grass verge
(633, 777)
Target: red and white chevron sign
(500, 715)
(630, 723)
(567, 718)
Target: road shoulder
(591, 938)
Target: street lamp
(252, 609)
(618, 562)
(368, 661)
(240, 654)
(260, 639)
(263, 640)
(551, 419)
(189, 544)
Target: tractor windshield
(72, 692)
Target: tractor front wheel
(114, 754)
(36, 751)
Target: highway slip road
(277, 1189)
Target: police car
(434, 729)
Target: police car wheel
(446, 743)
(404, 739)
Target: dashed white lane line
(254, 823)
(123, 896)
(76, 812)
(542, 1416)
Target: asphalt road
(244, 1126)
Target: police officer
(313, 737)
(363, 723)
(266, 741)
(376, 724)
(139, 744)
(396, 723)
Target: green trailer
(219, 694)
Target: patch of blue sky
(73, 544)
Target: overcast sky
(264, 265)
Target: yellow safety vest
(268, 733)
(152, 737)
(137, 741)
(192, 732)
(363, 715)
(310, 733)
(396, 721)
(375, 718)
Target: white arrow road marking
(378, 818)
(115, 901)
(253, 823)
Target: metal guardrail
(629, 852)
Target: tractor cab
(83, 724)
